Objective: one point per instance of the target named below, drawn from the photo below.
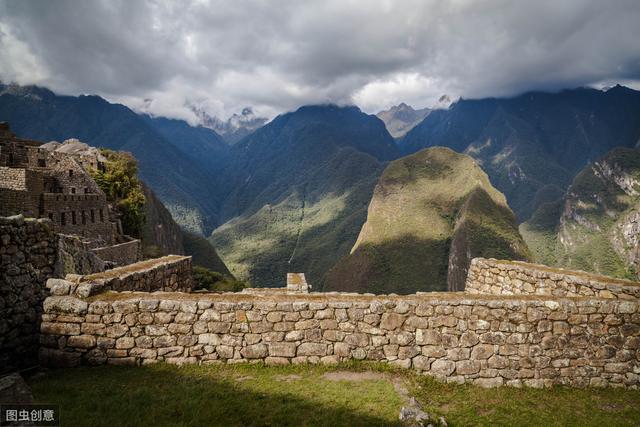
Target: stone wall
(488, 340)
(168, 273)
(14, 191)
(121, 254)
(490, 276)
(75, 257)
(82, 214)
(27, 257)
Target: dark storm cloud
(276, 55)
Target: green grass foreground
(255, 395)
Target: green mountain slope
(596, 226)
(298, 192)
(431, 212)
(161, 235)
(533, 145)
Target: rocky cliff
(596, 226)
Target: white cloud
(278, 55)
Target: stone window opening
(42, 163)
(73, 190)
(84, 217)
(101, 216)
(86, 190)
(70, 173)
(73, 217)
(93, 216)
(63, 220)
(51, 216)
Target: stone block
(282, 349)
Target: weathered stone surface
(256, 351)
(65, 304)
(392, 321)
(282, 349)
(312, 349)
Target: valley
(305, 191)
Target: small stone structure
(296, 282)
(27, 257)
(485, 339)
(490, 276)
(120, 254)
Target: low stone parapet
(496, 277)
(168, 273)
(121, 254)
(489, 340)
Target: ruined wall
(490, 276)
(84, 214)
(121, 254)
(19, 190)
(75, 257)
(27, 257)
(484, 339)
(70, 175)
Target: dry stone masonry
(168, 273)
(27, 257)
(489, 340)
(490, 276)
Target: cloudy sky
(277, 55)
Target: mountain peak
(235, 127)
(401, 118)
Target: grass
(255, 395)
(467, 405)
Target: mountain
(430, 214)
(532, 145)
(202, 146)
(298, 192)
(400, 119)
(161, 235)
(596, 225)
(183, 184)
(235, 127)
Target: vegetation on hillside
(585, 229)
(214, 281)
(301, 192)
(431, 212)
(120, 183)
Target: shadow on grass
(170, 396)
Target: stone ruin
(53, 181)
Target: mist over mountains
(293, 194)
(235, 127)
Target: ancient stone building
(52, 181)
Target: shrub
(214, 281)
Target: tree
(119, 181)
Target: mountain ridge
(533, 144)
